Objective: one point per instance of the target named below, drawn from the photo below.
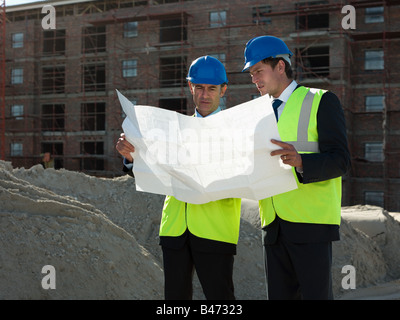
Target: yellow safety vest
(216, 220)
(317, 202)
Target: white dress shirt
(284, 97)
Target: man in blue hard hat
(300, 225)
(201, 237)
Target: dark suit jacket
(333, 161)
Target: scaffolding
(2, 79)
(144, 48)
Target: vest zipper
(186, 215)
(273, 206)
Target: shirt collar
(288, 91)
(198, 115)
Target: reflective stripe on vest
(302, 142)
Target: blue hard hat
(264, 47)
(207, 70)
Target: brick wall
(346, 77)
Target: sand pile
(101, 236)
(371, 243)
(93, 257)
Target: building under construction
(58, 85)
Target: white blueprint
(197, 160)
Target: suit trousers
(298, 270)
(214, 270)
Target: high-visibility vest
(216, 220)
(317, 202)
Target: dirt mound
(101, 236)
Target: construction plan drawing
(198, 160)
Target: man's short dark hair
(274, 61)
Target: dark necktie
(275, 104)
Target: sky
(16, 2)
